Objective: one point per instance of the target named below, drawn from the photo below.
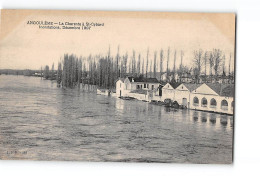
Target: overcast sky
(24, 46)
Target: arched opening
(204, 102)
(213, 103)
(195, 101)
(232, 105)
(224, 105)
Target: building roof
(225, 90)
(141, 79)
(191, 86)
(215, 86)
(228, 91)
(121, 79)
(175, 85)
(151, 80)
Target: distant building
(165, 77)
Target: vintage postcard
(117, 86)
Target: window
(195, 101)
(152, 87)
(213, 103)
(144, 85)
(204, 102)
(224, 105)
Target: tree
(52, 72)
(181, 67)
(139, 65)
(205, 61)
(217, 54)
(79, 71)
(205, 64)
(196, 74)
(174, 65)
(46, 72)
(125, 63)
(198, 61)
(223, 63)
(84, 74)
(147, 58)
(154, 64)
(65, 73)
(211, 62)
(59, 73)
(143, 67)
(150, 68)
(167, 65)
(129, 66)
(133, 64)
(229, 64)
(117, 62)
(161, 63)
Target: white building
(205, 97)
(179, 92)
(132, 86)
(213, 97)
(183, 92)
(168, 92)
(120, 87)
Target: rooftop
(225, 90)
(141, 79)
(191, 86)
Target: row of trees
(214, 60)
(105, 70)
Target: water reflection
(168, 109)
(213, 118)
(195, 116)
(203, 117)
(224, 120)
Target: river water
(39, 121)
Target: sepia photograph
(117, 86)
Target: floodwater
(39, 121)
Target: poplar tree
(154, 64)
